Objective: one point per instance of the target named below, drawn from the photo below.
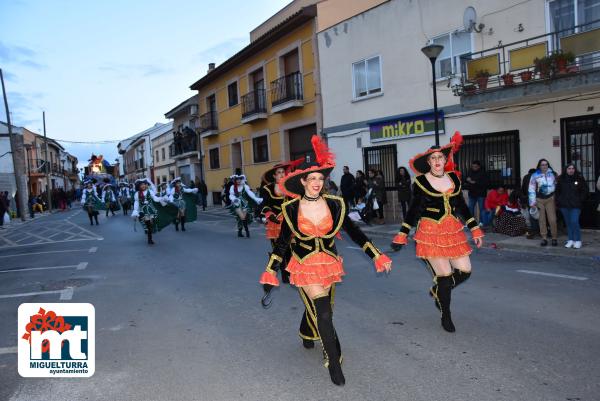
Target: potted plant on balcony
(526, 75)
(509, 79)
(544, 66)
(482, 77)
(562, 59)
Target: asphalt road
(181, 320)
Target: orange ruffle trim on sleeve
(443, 239)
(319, 268)
(273, 229)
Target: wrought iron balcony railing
(208, 121)
(254, 102)
(287, 88)
(540, 58)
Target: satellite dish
(470, 20)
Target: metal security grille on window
(367, 77)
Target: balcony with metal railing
(185, 143)
(209, 124)
(254, 106)
(554, 65)
(287, 92)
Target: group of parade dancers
(154, 208)
(302, 223)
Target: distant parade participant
(144, 207)
(312, 219)
(176, 195)
(91, 202)
(439, 211)
(108, 197)
(125, 197)
(243, 203)
(273, 198)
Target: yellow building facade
(262, 105)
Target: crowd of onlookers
(530, 209)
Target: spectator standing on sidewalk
(533, 226)
(3, 208)
(403, 184)
(203, 192)
(378, 187)
(477, 183)
(571, 191)
(347, 187)
(360, 186)
(542, 187)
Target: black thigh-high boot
(444, 296)
(149, 228)
(91, 216)
(328, 339)
(245, 223)
(182, 223)
(96, 218)
(176, 221)
(459, 277)
(239, 227)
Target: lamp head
(432, 51)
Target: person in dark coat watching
(404, 191)
(376, 184)
(360, 186)
(571, 191)
(347, 187)
(477, 184)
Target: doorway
(236, 156)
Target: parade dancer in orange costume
(439, 210)
(312, 219)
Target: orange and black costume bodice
(272, 205)
(315, 259)
(441, 217)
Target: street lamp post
(432, 52)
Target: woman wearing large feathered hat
(312, 221)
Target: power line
(104, 142)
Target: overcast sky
(106, 70)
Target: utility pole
(47, 165)
(16, 149)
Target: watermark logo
(56, 340)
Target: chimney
(211, 66)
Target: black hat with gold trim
(323, 163)
(269, 175)
(419, 164)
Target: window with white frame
(566, 14)
(455, 45)
(366, 77)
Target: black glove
(272, 218)
(396, 247)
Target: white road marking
(93, 249)
(553, 275)
(30, 294)
(42, 253)
(80, 266)
(8, 350)
(354, 247)
(66, 294)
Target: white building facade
(378, 98)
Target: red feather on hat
(323, 154)
(456, 142)
(293, 165)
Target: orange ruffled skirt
(320, 268)
(273, 229)
(443, 239)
